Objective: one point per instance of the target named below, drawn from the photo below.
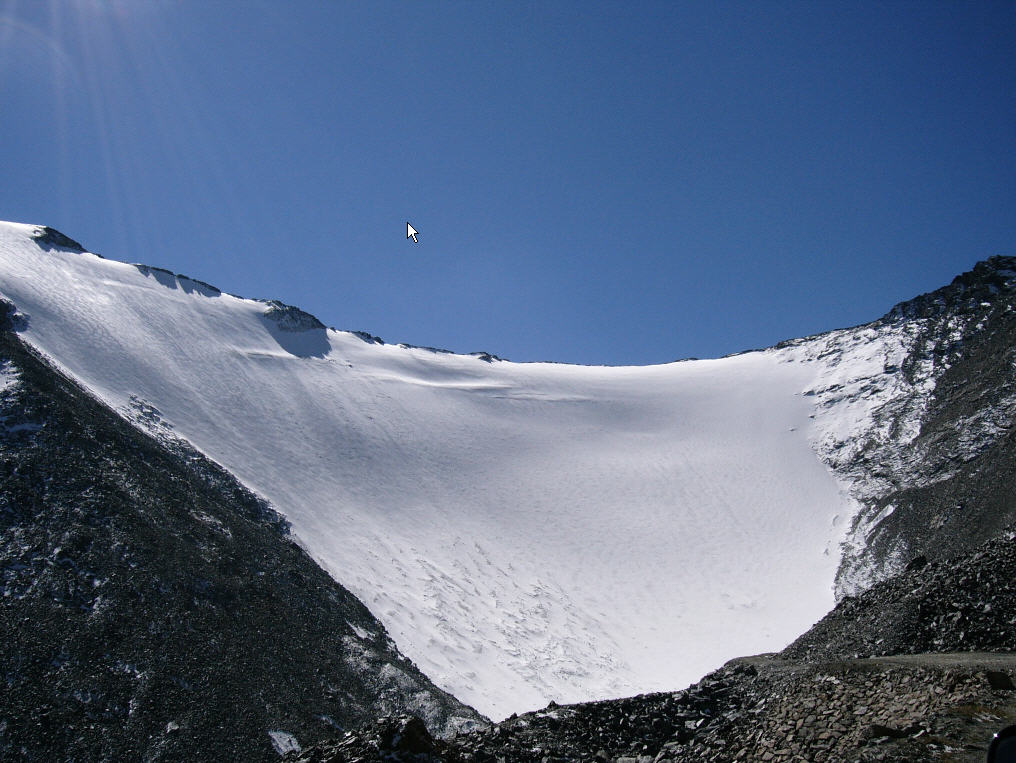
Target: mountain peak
(967, 292)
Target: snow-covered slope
(526, 532)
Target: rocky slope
(913, 709)
(931, 467)
(966, 603)
(152, 608)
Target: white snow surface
(8, 378)
(284, 742)
(526, 532)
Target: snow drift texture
(526, 532)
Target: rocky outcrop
(962, 604)
(50, 238)
(289, 318)
(400, 739)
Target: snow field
(526, 532)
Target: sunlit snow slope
(527, 532)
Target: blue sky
(592, 182)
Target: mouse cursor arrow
(411, 232)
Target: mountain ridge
(995, 272)
(673, 439)
(373, 452)
(910, 416)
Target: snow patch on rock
(284, 742)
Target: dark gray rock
(289, 318)
(50, 238)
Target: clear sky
(592, 182)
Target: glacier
(526, 532)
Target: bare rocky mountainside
(944, 487)
(154, 609)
